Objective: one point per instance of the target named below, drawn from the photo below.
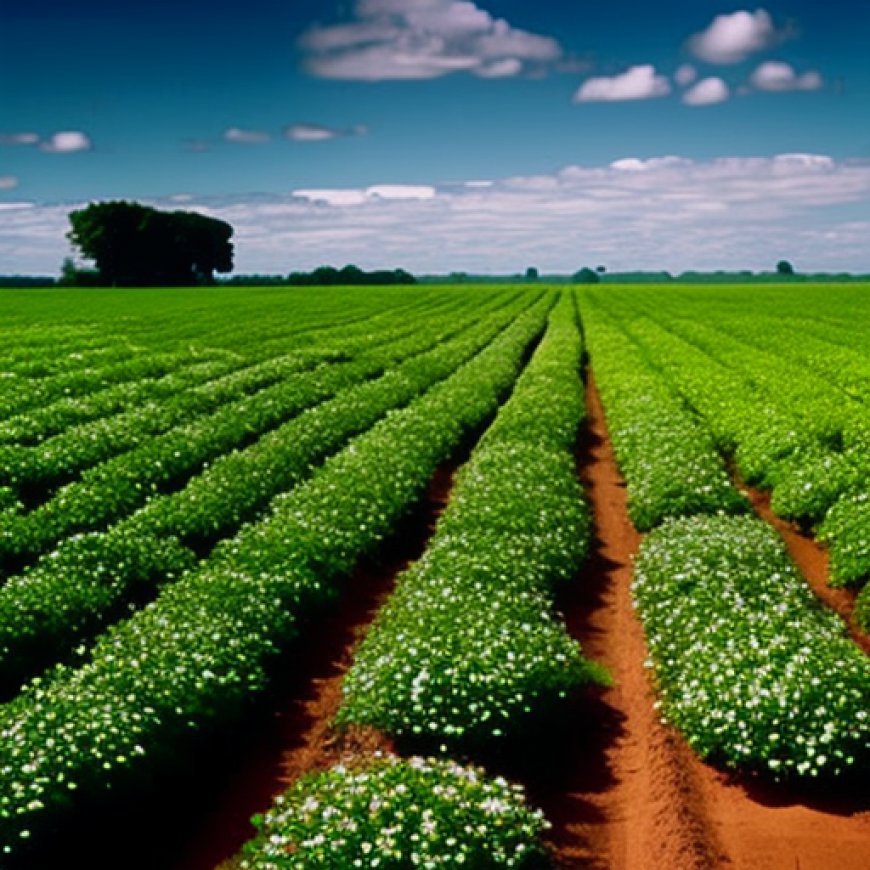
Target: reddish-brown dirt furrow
(812, 560)
(627, 797)
(624, 791)
(297, 737)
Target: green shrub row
(196, 655)
(396, 814)
(750, 666)
(70, 594)
(668, 459)
(469, 646)
(20, 393)
(846, 530)
(41, 423)
(110, 490)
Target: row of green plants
(668, 459)
(756, 673)
(770, 442)
(750, 666)
(465, 652)
(39, 424)
(229, 418)
(21, 393)
(44, 613)
(194, 658)
(469, 647)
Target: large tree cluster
(136, 245)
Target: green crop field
(188, 476)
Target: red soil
(298, 737)
(624, 791)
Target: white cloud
(665, 212)
(685, 75)
(774, 75)
(637, 83)
(707, 92)
(732, 38)
(67, 141)
(19, 138)
(8, 182)
(321, 133)
(423, 39)
(359, 196)
(248, 137)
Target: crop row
(468, 646)
(43, 615)
(112, 489)
(750, 666)
(197, 654)
(771, 444)
(669, 461)
(465, 651)
(753, 670)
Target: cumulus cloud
(707, 92)
(661, 212)
(19, 138)
(423, 39)
(66, 142)
(732, 38)
(685, 75)
(774, 75)
(247, 137)
(8, 182)
(321, 133)
(637, 83)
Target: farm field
(515, 576)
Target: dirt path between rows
(629, 794)
(297, 737)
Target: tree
(586, 276)
(783, 267)
(136, 245)
(532, 274)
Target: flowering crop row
(469, 646)
(110, 490)
(669, 461)
(196, 655)
(756, 673)
(811, 473)
(43, 614)
(750, 666)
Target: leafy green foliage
(750, 666)
(469, 647)
(394, 813)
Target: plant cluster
(750, 666)
(469, 646)
(398, 814)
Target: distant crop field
(515, 524)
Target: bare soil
(297, 738)
(626, 793)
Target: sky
(447, 135)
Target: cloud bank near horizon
(636, 213)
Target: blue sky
(443, 134)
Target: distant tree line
(327, 276)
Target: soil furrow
(623, 792)
(297, 737)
